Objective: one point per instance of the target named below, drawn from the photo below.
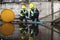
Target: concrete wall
(43, 7)
(56, 8)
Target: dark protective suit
(23, 14)
(34, 14)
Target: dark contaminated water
(17, 31)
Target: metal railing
(50, 14)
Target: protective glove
(31, 14)
(26, 16)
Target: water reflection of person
(23, 30)
(34, 30)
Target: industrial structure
(30, 19)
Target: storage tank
(7, 15)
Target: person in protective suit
(23, 13)
(34, 13)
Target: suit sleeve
(21, 13)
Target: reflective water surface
(16, 31)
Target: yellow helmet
(31, 5)
(23, 6)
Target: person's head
(23, 6)
(31, 5)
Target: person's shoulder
(21, 10)
(25, 9)
(35, 8)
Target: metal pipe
(52, 20)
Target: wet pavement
(16, 31)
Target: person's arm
(27, 13)
(30, 12)
(37, 11)
(21, 13)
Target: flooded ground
(16, 31)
